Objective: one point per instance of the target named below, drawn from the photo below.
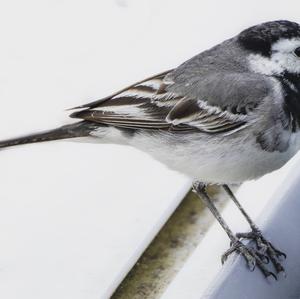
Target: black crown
(260, 38)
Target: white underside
(206, 158)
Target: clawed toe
(265, 250)
(271, 274)
(264, 258)
(279, 254)
(253, 257)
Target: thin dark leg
(199, 188)
(252, 256)
(264, 245)
(234, 199)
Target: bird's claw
(265, 250)
(252, 256)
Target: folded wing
(150, 104)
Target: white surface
(73, 223)
(266, 197)
(73, 217)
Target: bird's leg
(252, 256)
(264, 246)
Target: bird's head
(273, 48)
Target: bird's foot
(252, 256)
(265, 248)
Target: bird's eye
(297, 52)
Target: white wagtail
(227, 115)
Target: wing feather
(210, 119)
(150, 104)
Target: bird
(227, 115)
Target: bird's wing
(206, 118)
(151, 104)
(145, 104)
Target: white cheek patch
(286, 45)
(287, 61)
(282, 59)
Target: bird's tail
(80, 129)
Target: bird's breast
(214, 159)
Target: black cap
(260, 38)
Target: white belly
(205, 157)
(213, 162)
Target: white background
(68, 211)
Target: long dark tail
(79, 129)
